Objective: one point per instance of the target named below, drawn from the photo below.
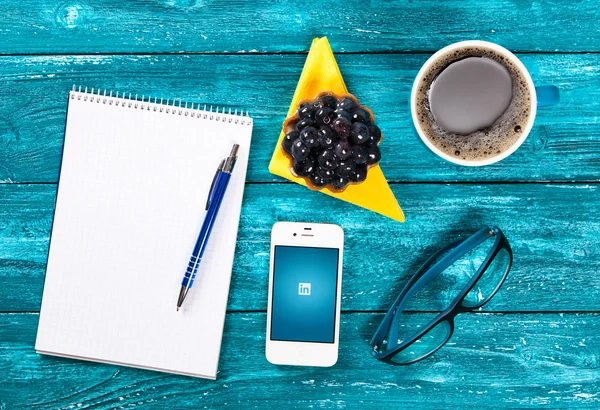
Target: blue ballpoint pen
(213, 203)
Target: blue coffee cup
(539, 97)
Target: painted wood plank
(554, 231)
(562, 147)
(493, 360)
(104, 26)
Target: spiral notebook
(131, 195)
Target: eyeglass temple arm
(460, 249)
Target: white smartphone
(305, 288)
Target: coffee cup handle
(547, 95)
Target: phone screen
(304, 294)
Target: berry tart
(331, 141)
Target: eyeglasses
(460, 278)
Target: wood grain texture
(516, 360)
(554, 231)
(544, 351)
(563, 145)
(174, 26)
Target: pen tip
(178, 308)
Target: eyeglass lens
(490, 281)
(423, 346)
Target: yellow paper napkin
(321, 73)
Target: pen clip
(212, 184)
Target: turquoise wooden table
(537, 343)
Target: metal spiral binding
(159, 105)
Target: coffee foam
(486, 143)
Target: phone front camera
(294, 234)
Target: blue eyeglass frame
(427, 273)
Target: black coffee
(473, 103)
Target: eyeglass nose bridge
(455, 310)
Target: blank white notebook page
(131, 200)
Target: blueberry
(328, 160)
(359, 174)
(314, 154)
(359, 134)
(327, 138)
(310, 137)
(304, 168)
(324, 116)
(326, 101)
(318, 180)
(374, 134)
(342, 127)
(361, 115)
(288, 141)
(346, 167)
(327, 174)
(346, 104)
(341, 113)
(299, 151)
(360, 155)
(303, 123)
(307, 110)
(374, 154)
(343, 150)
(339, 182)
